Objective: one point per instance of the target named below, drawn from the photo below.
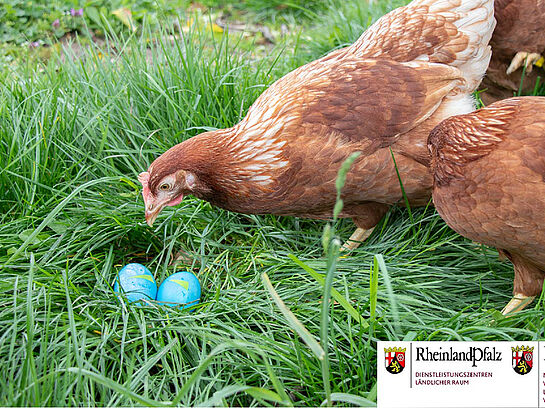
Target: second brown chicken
(489, 184)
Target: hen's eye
(164, 187)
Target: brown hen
(517, 43)
(414, 67)
(489, 184)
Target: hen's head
(167, 189)
(167, 181)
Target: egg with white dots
(181, 290)
(136, 283)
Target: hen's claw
(523, 58)
(516, 304)
(356, 239)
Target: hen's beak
(153, 207)
(151, 215)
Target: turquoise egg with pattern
(136, 283)
(181, 290)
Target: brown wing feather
(429, 33)
(381, 100)
(463, 139)
(370, 102)
(453, 32)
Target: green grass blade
(107, 382)
(54, 212)
(405, 198)
(333, 255)
(264, 395)
(351, 399)
(294, 323)
(334, 292)
(373, 288)
(388, 283)
(219, 396)
(198, 372)
(340, 180)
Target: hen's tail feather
(452, 32)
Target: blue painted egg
(136, 283)
(182, 290)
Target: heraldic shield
(523, 358)
(394, 359)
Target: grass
(73, 137)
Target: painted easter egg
(136, 282)
(182, 290)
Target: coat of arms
(523, 357)
(394, 359)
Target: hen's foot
(527, 59)
(356, 239)
(516, 304)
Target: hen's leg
(517, 303)
(527, 284)
(525, 58)
(369, 215)
(357, 238)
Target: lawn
(74, 134)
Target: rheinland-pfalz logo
(394, 359)
(523, 357)
(472, 354)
